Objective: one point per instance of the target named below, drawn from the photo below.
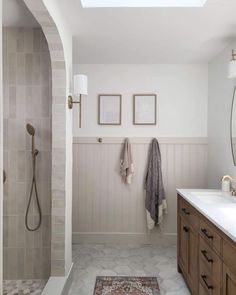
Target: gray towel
(155, 202)
(126, 162)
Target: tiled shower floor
(23, 287)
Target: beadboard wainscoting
(107, 210)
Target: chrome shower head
(30, 129)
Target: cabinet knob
(186, 229)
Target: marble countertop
(217, 206)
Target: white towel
(126, 163)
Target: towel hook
(99, 139)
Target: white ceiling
(150, 35)
(140, 35)
(16, 14)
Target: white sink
(206, 193)
(213, 197)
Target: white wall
(181, 90)
(182, 93)
(219, 110)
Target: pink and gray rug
(126, 286)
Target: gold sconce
(232, 66)
(80, 88)
(233, 55)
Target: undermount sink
(207, 193)
(212, 197)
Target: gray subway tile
(20, 40)
(12, 68)
(27, 99)
(12, 102)
(29, 69)
(21, 68)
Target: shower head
(30, 129)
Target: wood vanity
(206, 255)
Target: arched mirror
(233, 127)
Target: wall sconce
(232, 66)
(80, 88)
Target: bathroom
(78, 79)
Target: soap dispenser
(225, 185)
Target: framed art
(144, 109)
(109, 109)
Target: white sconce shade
(232, 69)
(232, 66)
(80, 84)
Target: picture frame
(109, 109)
(144, 109)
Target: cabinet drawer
(210, 235)
(210, 285)
(229, 255)
(188, 212)
(211, 260)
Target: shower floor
(23, 287)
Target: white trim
(123, 238)
(59, 285)
(140, 140)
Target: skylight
(142, 3)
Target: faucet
(232, 180)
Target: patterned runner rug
(126, 286)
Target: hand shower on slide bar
(30, 129)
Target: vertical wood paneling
(102, 203)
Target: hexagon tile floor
(91, 261)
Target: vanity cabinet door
(183, 243)
(229, 281)
(188, 253)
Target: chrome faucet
(232, 180)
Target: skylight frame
(141, 3)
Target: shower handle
(30, 129)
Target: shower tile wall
(27, 99)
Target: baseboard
(124, 238)
(59, 285)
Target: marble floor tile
(23, 287)
(127, 260)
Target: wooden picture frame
(109, 109)
(144, 109)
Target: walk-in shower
(27, 139)
(33, 189)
